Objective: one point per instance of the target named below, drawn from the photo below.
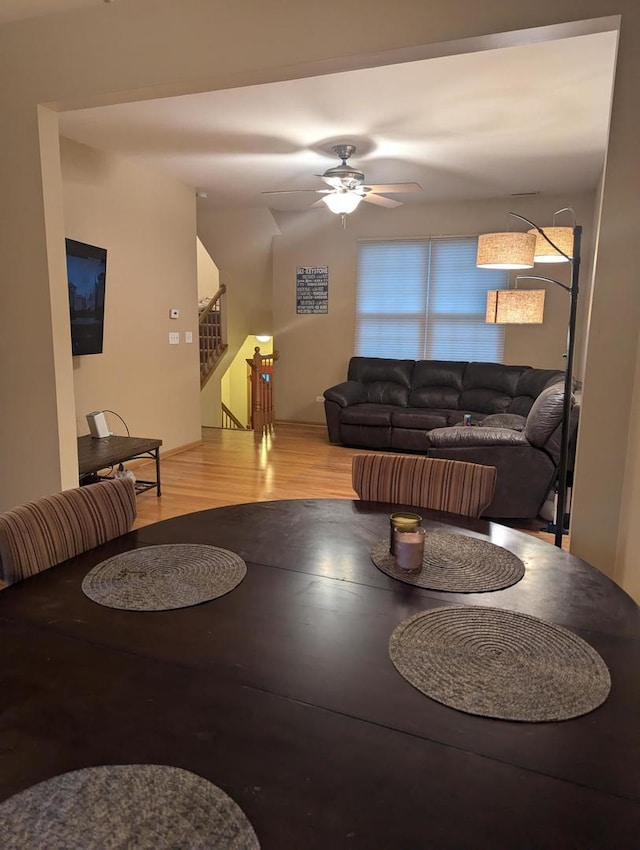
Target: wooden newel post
(262, 412)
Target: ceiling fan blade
(291, 191)
(380, 201)
(392, 188)
(318, 203)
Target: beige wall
(323, 344)
(147, 224)
(627, 572)
(59, 298)
(145, 48)
(607, 437)
(208, 274)
(239, 243)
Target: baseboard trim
(179, 449)
(136, 462)
(300, 422)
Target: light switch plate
(188, 336)
(174, 339)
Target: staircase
(230, 420)
(212, 346)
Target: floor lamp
(514, 250)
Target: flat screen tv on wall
(86, 275)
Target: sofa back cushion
(386, 381)
(490, 387)
(437, 384)
(481, 388)
(545, 415)
(531, 384)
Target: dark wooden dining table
(282, 692)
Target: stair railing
(230, 421)
(212, 344)
(261, 379)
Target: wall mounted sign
(312, 289)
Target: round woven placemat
(120, 807)
(159, 578)
(455, 563)
(499, 664)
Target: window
(425, 299)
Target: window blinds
(425, 299)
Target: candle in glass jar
(409, 549)
(405, 522)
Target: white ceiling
(479, 125)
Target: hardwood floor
(232, 467)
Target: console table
(95, 454)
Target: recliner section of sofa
(411, 406)
(526, 461)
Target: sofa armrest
(465, 437)
(349, 392)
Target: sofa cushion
(489, 387)
(496, 376)
(378, 415)
(437, 383)
(384, 381)
(484, 401)
(545, 415)
(430, 397)
(459, 436)
(504, 420)
(412, 417)
(529, 387)
(375, 369)
(387, 392)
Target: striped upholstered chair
(40, 534)
(424, 482)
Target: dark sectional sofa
(417, 406)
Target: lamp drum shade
(515, 307)
(560, 236)
(505, 250)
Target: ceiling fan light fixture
(342, 203)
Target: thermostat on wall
(174, 313)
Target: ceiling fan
(347, 186)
